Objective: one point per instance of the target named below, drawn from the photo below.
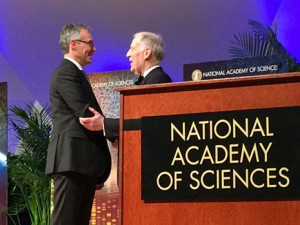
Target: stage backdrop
(106, 206)
(3, 149)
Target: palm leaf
(26, 169)
(262, 42)
(249, 46)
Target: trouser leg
(73, 199)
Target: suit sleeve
(70, 88)
(111, 129)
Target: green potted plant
(3, 146)
(29, 187)
(261, 42)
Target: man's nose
(127, 54)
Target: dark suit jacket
(72, 147)
(156, 76)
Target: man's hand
(94, 123)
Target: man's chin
(89, 61)
(134, 71)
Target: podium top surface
(212, 84)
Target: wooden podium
(257, 92)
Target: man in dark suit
(78, 159)
(145, 55)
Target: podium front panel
(274, 91)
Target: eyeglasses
(90, 43)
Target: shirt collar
(73, 61)
(149, 70)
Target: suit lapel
(85, 85)
(150, 75)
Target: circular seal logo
(196, 75)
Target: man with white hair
(145, 55)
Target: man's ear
(72, 44)
(147, 53)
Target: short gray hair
(154, 41)
(70, 32)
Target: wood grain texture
(183, 98)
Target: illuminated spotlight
(3, 159)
